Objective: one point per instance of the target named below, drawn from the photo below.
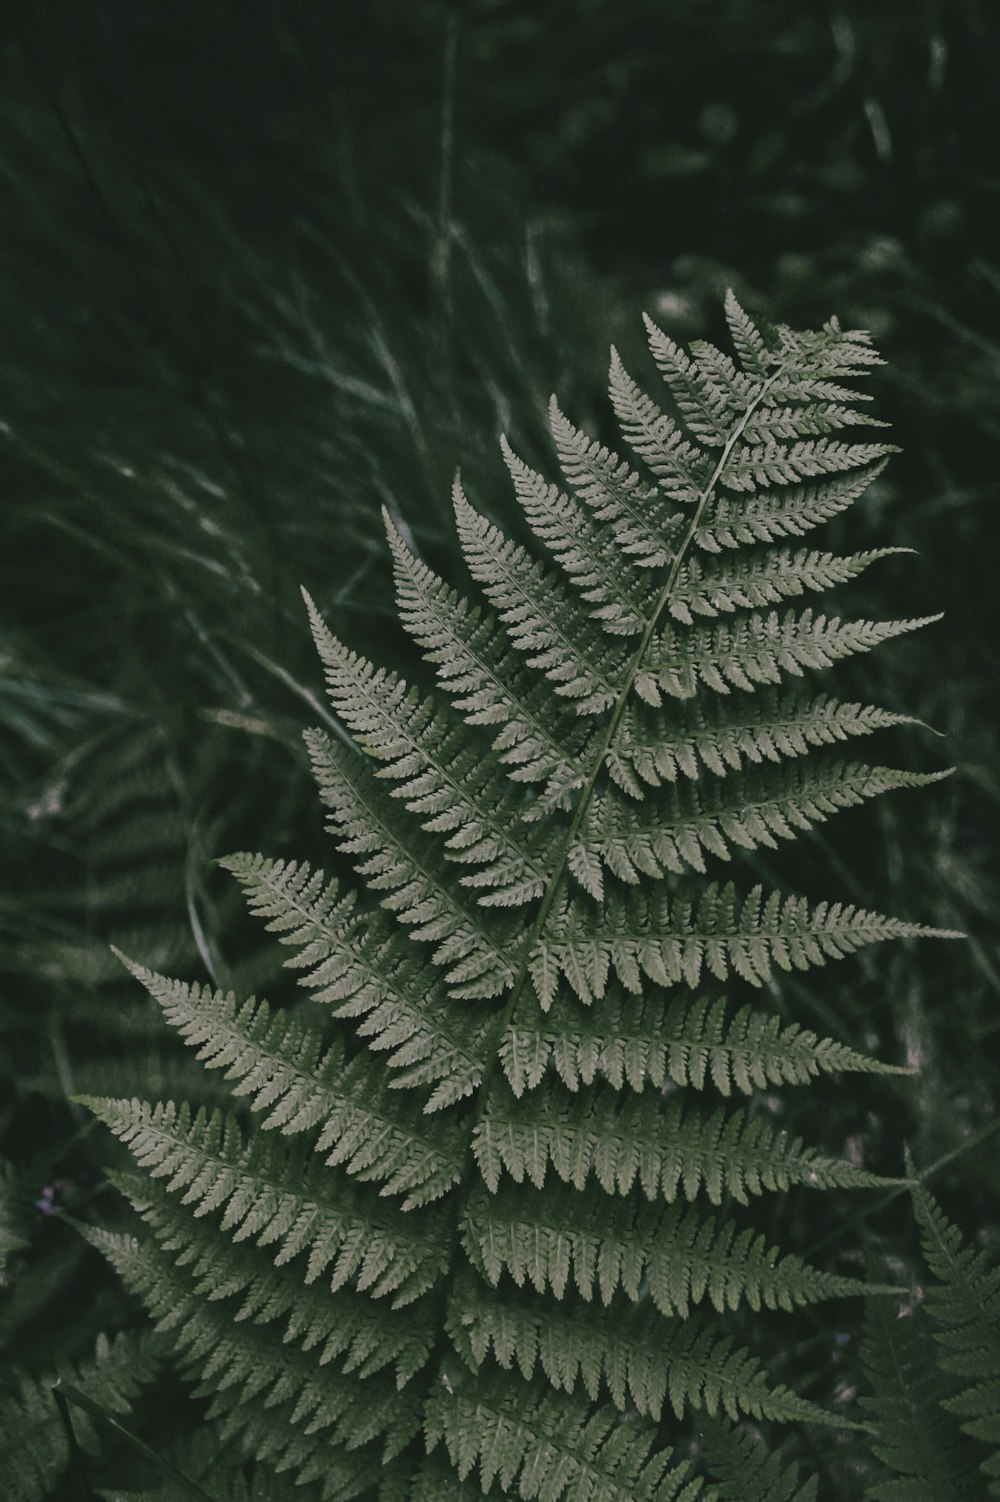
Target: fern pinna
(485, 1231)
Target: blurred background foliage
(269, 267)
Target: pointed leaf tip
(89, 1102)
(132, 966)
(315, 619)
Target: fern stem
(611, 730)
(505, 1016)
(65, 1393)
(73, 1444)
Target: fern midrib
(505, 1016)
(610, 731)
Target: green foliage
(919, 1361)
(395, 1278)
(34, 1449)
(747, 1472)
(964, 1304)
(914, 1437)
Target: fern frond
(730, 733)
(264, 1389)
(689, 822)
(405, 863)
(614, 492)
(343, 1234)
(643, 1360)
(744, 1470)
(344, 1324)
(551, 1447)
(671, 943)
(710, 589)
(680, 467)
(537, 833)
(761, 465)
(673, 1151)
(605, 578)
(440, 777)
(539, 738)
(633, 1042)
(540, 617)
(552, 1241)
(755, 349)
(757, 649)
(367, 971)
(769, 515)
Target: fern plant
(936, 1431)
(485, 1226)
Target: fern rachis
(499, 1127)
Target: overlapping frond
(914, 1436)
(364, 969)
(275, 1194)
(963, 1302)
(34, 1450)
(289, 1408)
(745, 1470)
(281, 1064)
(503, 1263)
(342, 1324)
